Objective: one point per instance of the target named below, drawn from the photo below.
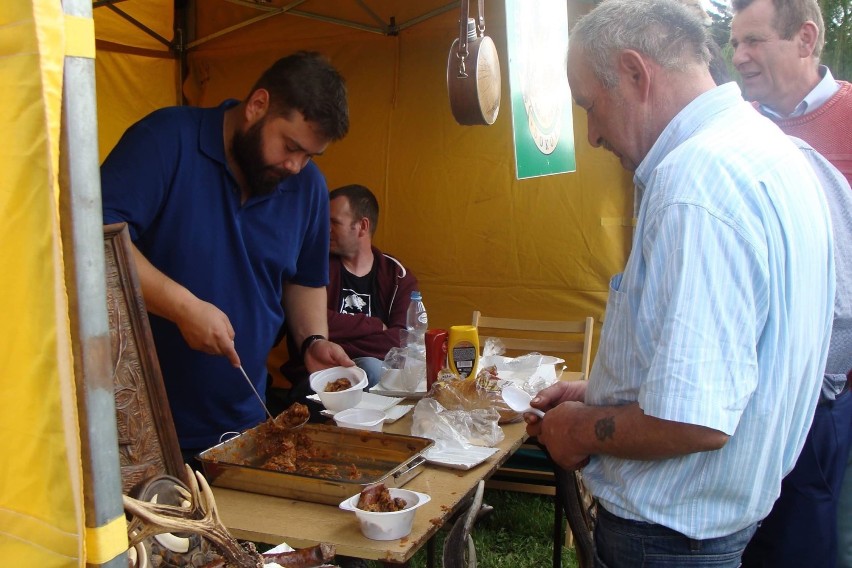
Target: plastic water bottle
(416, 320)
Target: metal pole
(81, 221)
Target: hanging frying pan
(473, 72)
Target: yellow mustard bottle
(463, 350)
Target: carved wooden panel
(147, 441)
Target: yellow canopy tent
(451, 209)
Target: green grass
(518, 534)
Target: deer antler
(201, 517)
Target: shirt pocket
(612, 357)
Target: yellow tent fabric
(135, 72)
(41, 510)
(130, 86)
(156, 15)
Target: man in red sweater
(777, 44)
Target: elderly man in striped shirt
(716, 334)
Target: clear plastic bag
(404, 369)
(493, 346)
(456, 428)
(474, 393)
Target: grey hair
(663, 30)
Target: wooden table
(272, 520)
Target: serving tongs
(281, 421)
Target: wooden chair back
(548, 337)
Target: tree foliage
(837, 54)
(720, 18)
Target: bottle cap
(415, 295)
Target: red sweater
(828, 129)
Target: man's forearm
(163, 296)
(625, 432)
(305, 308)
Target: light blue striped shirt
(721, 318)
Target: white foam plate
(392, 414)
(378, 389)
(369, 400)
(459, 458)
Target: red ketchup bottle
(436, 354)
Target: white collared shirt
(824, 90)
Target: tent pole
(81, 221)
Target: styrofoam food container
(387, 526)
(521, 369)
(341, 400)
(361, 418)
(411, 379)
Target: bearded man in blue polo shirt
(230, 222)
(716, 335)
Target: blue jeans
(622, 543)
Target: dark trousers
(801, 529)
(622, 543)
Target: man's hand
(552, 396)
(322, 354)
(206, 328)
(559, 401)
(559, 392)
(558, 442)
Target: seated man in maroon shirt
(368, 292)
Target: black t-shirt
(360, 294)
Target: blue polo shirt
(169, 181)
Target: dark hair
(664, 30)
(306, 82)
(362, 202)
(789, 17)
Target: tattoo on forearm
(605, 428)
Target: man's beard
(247, 149)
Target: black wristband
(307, 343)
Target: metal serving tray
(392, 459)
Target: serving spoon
(519, 400)
(272, 419)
